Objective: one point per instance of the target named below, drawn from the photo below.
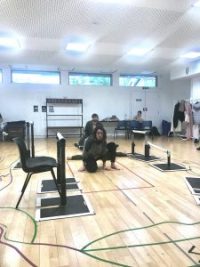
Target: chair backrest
(133, 125)
(23, 151)
(147, 124)
(122, 124)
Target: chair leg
(24, 188)
(55, 180)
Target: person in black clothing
(88, 131)
(96, 148)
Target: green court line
(32, 219)
(85, 251)
(143, 245)
(107, 261)
(138, 228)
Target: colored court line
(86, 251)
(16, 249)
(142, 228)
(9, 183)
(136, 174)
(117, 189)
(32, 219)
(67, 163)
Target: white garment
(195, 131)
(187, 118)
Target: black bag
(154, 131)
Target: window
(35, 77)
(90, 79)
(195, 89)
(1, 76)
(138, 80)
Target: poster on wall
(44, 109)
(35, 108)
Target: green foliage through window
(90, 79)
(138, 80)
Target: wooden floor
(143, 217)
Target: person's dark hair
(139, 111)
(94, 115)
(99, 127)
(91, 164)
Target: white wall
(17, 100)
(172, 91)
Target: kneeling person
(96, 148)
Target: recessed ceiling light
(138, 51)
(7, 42)
(124, 2)
(191, 55)
(77, 47)
(197, 4)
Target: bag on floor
(154, 131)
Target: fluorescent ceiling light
(7, 42)
(121, 2)
(77, 47)
(197, 4)
(191, 55)
(138, 51)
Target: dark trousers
(110, 155)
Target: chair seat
(34, 165)
(40, 164)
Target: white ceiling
(169, 27)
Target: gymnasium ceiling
(168, 28)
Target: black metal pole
(146, 150)
(133, 148)
(168, 159)
(28, 137)
(61, 170)
(32, 140)
(58, 161)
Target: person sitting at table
(138, 117)
(88, 131)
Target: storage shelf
(65, 127)
(64, 111)
(64, 115)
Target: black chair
(33, 165)
(147, 125)
(121, 126)
(14, 129)
(133, 125)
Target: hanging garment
(182, 106)
(196, 113)
(195, 132)
(178, 115)
(188, 120)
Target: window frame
(22, 71)
(84, 74)
(142, 76)
(1, 76)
